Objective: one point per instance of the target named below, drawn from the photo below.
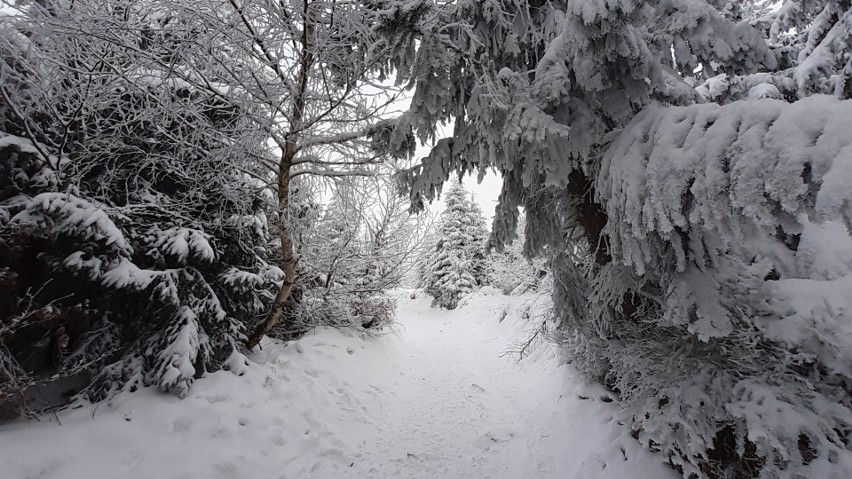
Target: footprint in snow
(217, 399)
(495, 437)
(229, 469)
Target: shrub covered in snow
(513, 273)
(349, 252)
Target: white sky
(486, 193)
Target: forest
(184, 181)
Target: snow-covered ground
(432, 399)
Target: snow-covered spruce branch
(699, 249)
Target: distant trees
(510, 271)
(455, 264)
(349, 253)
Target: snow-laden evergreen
(689, 238)
(735, 218)
(133, 238)
(455, 265)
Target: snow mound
(296, 411)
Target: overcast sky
(486, 193)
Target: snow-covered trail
(449, 406)
(432, 399)
(454, 404)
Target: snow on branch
(742, 214)
(68, 214)
(710, 170)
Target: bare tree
(310, 63)
(350, 251)
(366, 233)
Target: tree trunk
(590, 215)
(291, 148)
(289, 263)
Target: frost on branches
(349, 253)
(735, 222)
(685, 162)
(132, 238)
(513, 273)
(455, 265)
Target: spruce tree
(454, 266)
(661, 137)
(479, 233)
(134, 241)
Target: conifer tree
(454, 266)
(702, 220)
(133, 236)
(479, 233)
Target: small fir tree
(455, 266)
(134, 241)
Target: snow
(6, 140)
(431, 399)
(177, 361)
(736, 164)
(183, 242)
(73, 215)
(815, 315)
(236, 277)
(123, 274)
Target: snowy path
(451, 409)
(432, 400)
(456, 409)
